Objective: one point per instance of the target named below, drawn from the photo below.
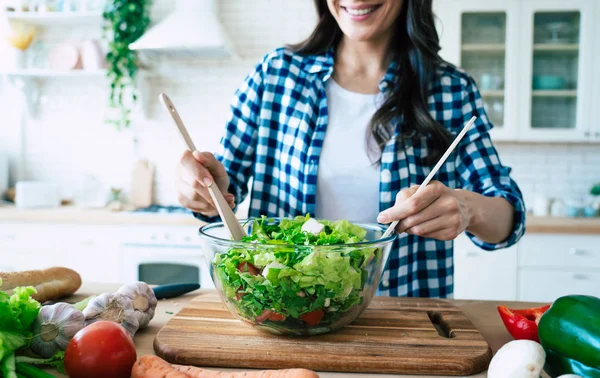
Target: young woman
(348, 123)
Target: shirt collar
(323, 66)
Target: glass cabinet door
(483, 56)
(479, 37)
(555, 47)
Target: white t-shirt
(347, 180)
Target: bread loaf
(51, 283)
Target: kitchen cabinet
(540, 268)
(106, 253)
(23, 247)
(532, 61)
(92, 251)
(592, 114)
(486, 275)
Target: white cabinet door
(592, 113)
(481, 38)
(92, 251)
(486, 275)
(547, 285)
(25, 247)
(555, 86)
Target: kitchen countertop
(482, 314)
(71, 214)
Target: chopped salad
(294, 285)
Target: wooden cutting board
(394, 336)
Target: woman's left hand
(436, 212)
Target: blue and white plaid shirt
(276, 130)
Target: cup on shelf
(558, 208)
(489, 82)
(541, 206)
(548, 82)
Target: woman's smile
(360, 12)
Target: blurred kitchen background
(535, 62)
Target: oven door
(163, 265)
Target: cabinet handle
(576, 252)
(587, 134)
(597, 134)
(88, 243)
(472, 254)
(580, 277)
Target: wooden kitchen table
(483, 315)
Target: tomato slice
(266, 314)
(239, 294)
(247, 267)
(275, 317)
(312, 318)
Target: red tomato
(247, 267)
(102, 349)
(239, 294)
(312, 318)
(275, 317)
(266, 314)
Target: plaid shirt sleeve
(480, 170)
(239, 141)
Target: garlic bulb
(144, 301)
(112, 307)
(55, 327)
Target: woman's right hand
(195, 172)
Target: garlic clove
(144, 301)
(54, 328)
(115, 308)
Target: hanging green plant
(124, 22)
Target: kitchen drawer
(576, 251)
(547, 285)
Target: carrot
(194, 372)
(156, 367)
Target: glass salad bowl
(297, 276)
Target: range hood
(191, 31)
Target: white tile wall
(70, 139)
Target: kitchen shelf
(556, 47)
(481, 47)
(554, 93)
(41, 73)
(493, 93)
(56, 18)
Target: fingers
(192, 181)
(409, 202)
(430, 212)
(193, 169)
(428, 227)
(214, 167)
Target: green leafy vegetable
(56, 361)
(17, 314)
(290, 278)
(8, 366)
(31, 372)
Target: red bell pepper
(522, 324)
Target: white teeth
(360, 12)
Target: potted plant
(594, 207)
(125, 22)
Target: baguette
(51, 283)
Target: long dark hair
(415, 49)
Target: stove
(163, 210)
